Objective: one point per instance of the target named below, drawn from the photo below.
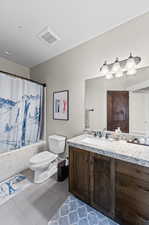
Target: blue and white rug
(76, 212)
(14, 185)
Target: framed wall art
(61, 105)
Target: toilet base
(41, 176)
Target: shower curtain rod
(24, 78)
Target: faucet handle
(99, 134)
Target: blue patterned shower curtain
(21, 112)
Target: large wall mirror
(118, 102)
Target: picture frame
(61, 105)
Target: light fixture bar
(123, 62)
(119, 68)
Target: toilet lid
(43, 157)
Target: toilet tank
(57, 144)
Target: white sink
(95, 140)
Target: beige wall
(11, 67)
(69, 70)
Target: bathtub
(17, 160)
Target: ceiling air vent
(48, 36)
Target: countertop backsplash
(136, 138)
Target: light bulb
(131, 71)
(109, 76)
(116, 66)
(119, 73)
(104, 69)
(130, 64)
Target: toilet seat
(43, 158)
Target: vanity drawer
(132, 170)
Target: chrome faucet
(99, 133)
(103, 132)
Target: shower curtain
(21, 112)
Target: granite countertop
(133, 153)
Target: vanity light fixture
(130, 64)
(120, 68)
(116, 66)
(105, 69)
(119, 73)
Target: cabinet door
(103, 184)
(79, 173)
(132, 194)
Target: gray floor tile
(41, 208)
(36, 204)
(10, 215)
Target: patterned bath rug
(12, 186)
(75, 212)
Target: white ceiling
(74, 21)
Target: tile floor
(35, 205)
(39, 203)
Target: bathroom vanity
(111, 176)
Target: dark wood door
(79, 171)
(118, 110)
(132, 194)
(103, 184)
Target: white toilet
(44, 164)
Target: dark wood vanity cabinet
(79, 170)
(132, 194)
(118, 189)
(91, 179)
(101, 183)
